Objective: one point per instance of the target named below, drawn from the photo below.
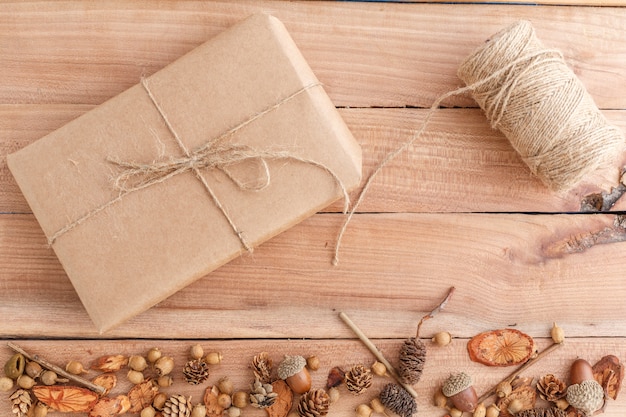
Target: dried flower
(609, 372)
(262, 367)
(196, 371)
(551, 388)
(358, 379)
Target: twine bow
(218, 153)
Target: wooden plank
(528, 270)
(460, 164)
(237, 355)
(366, 54)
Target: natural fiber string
(531, 95)
(213, 154)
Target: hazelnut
(293, 371)
(313, 363)
(480, 410)
(585, 393)
(363, 410)
(214, 358)
(240, 399)
(442, 339)
(458, 387)
(148, 412)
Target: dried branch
(368, 343)
(59, 371)
(437, 309)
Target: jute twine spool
(530, 94)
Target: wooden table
(458, 208)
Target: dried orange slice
(504, 347)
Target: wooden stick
(368, 343)
(59, 371)
(437, 309)
(521, 369)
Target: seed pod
(233, 411)
(196, 352)
(199, 410)
(455, 412)
(412, 357)
(6, 384)
(379, 368)
(458, 387)
(24, 381)
(50, 378)
(503, 389)
(480, 411)
(165, 381)
(492, 411)
(154, 354)
(333, 395)
(148, 412)
(515, 406)
(377, 406)
(558, 335)
(225, 385)
(40, 410)
(33, 369)
(14, 367)
(159, 401)
(164, 365)
(364, 410)
(137, 363)
(75, 368)
(135, 377)
(224, 400)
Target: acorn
(584, 393)
(294, 372)
(458, 388)
(213, 358)
(442, 339)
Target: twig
(368, 343)
(437, 309)
(59, 371)
(521, 369)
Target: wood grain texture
(509, 269)
(460, 164)
(237, 355)
(366, 54)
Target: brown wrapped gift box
(126, 251)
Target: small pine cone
(21, 402)
(314, 403)
(196, 371)
(398, 400)
(177, 406)
(551, 388)
(262, 367)
(542, 412)
(412, 357)
(358, 379)
(262, 394)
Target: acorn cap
(456, 383)
(588, 396)
(290, 366)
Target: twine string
(528, 92)
(217, 153)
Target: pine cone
(358, 379)
(177, 406)
(412, 357)
(551, 388)
(314, 403)
(398, 400)
(20, 402)
(262, 394)
(262, 367)
(542, 412)
(196, 371)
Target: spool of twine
(530, 94)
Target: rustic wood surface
(458, 208)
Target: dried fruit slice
(66, 399)
(609, 372)
(110, 407)
(142, 395)
(110, 363)
(504, 347)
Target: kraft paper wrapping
(125, 252)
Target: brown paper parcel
(126, 251)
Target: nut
(6, 383)
(240, 399)
(137, 363)
(364, 410)
(196, 352)
(379, 368)
(558, 335)
(313, 363)
(293, 371)
(458, 387)
(442, 339)
(154, 354)
(164, 365)
(74, 367)
(480, 410)
(214, 358)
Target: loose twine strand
(529, 93)
(217, 153)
